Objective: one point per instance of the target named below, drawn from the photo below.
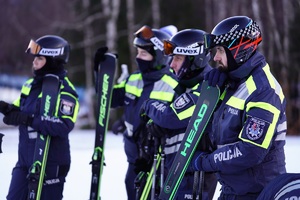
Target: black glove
(216, 77)
(17, 118)
(99, 56)
(3, 107)
(142, 164)
(118, 126)
(155, 130)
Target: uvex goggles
(146, 33)
(36, 49)
(191, 50)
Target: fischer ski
(50, 90)
(104, 87)
(204, 109)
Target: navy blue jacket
(58, 127)
(248, 131)
(131, 94)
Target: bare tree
(130, 28)
(155, 13)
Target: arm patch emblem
(255, 128)
(181, 101)
(66, 107)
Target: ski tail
(50, 91)
(205, 106)
(104, 87)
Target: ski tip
(114, 55)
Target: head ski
(205, 106)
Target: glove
(17, 118)
(155, 130)
(3, 107)
(216, 77)
(196, 163)
(118, 127)
(142, 164)
(143, 116)
(99, 56)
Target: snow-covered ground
(77, 186)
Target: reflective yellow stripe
(171, 81)
(25, 91)
(135, 85)
(244, 91)
(271, 129)
(186, 113)
(236, 103)
(163, 89)
(17, 102)
(26, 87)
(120, 85)
(133, 90)
(135, 77)
(251, 86)
(163, 96)
(273, 83)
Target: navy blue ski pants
(52, 189)
(129, 182)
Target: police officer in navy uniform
(50, 53)
(249, 126)
(152, 80)
(189, 62)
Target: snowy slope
(77, 186)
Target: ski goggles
(209, 42)
(191, 50)
(36, 49)
(146, 33)
(33, 48)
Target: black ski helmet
(151, 40)
(188, 42)
(51, 46)
(239, 34)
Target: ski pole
(162, 164)
(1, 135)
(195, 185)
(154, 167)
(201, 184)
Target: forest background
(90, 24)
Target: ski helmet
(239, 34)
(151, 40)
(51, 46)
(188, 42)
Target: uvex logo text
(52, 52)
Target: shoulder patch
(255, 128)
(66, 107)
(181, 101)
